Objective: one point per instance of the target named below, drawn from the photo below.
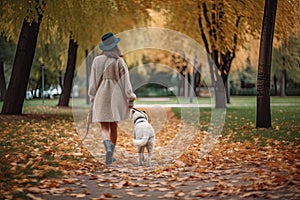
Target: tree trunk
(275, 86)
(60, 80)
(227, 89)
(69, 75)
(218, 85)
(2, 82)
(263, 111)
(225, 82)
(217, 82)
(227, 59)
(220, 94)
(283, 83)
(197, 83)
(14, 99)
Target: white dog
(144, 136)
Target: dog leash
(89, 120)
(133, 108)
(88, 123)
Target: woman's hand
(130, 105)
(131, 100)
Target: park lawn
(241, 124)
(240, 121)
(285, 115)
(240, 115)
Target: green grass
(240, 115)
(52, 173)
(240, 122)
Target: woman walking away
(110, 92)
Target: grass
(240, 121)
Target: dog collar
(139, 118)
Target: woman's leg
(113, 132)
(113, 137)
(105, 126)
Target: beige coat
(110, 89)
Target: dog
(144, 136)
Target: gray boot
(113, 150)
(109, 152)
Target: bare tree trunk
(16, 91)
(69, 75)
(263, 115)
(2, 82)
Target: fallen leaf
(31, 196)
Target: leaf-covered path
(233, 171)
(41, 159)
(173, 183)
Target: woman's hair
(114, 53)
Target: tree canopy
(87, 20)
(222, 26)
(83, 20)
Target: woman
(110, 92)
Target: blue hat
(108, 41)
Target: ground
(41, 158)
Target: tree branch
(214, 22)
(202, 31)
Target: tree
(263, 111)
(13, 102)
(52, 54)
(247, 76)
(223, 26)
(2, 81)
(69, 75)
(121, 10)
(286, 62)
(220, 26)
(62, 17)
(221, 58)
(33, 12)
(6, 57)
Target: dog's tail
(141, 142)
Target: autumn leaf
(41, 157)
